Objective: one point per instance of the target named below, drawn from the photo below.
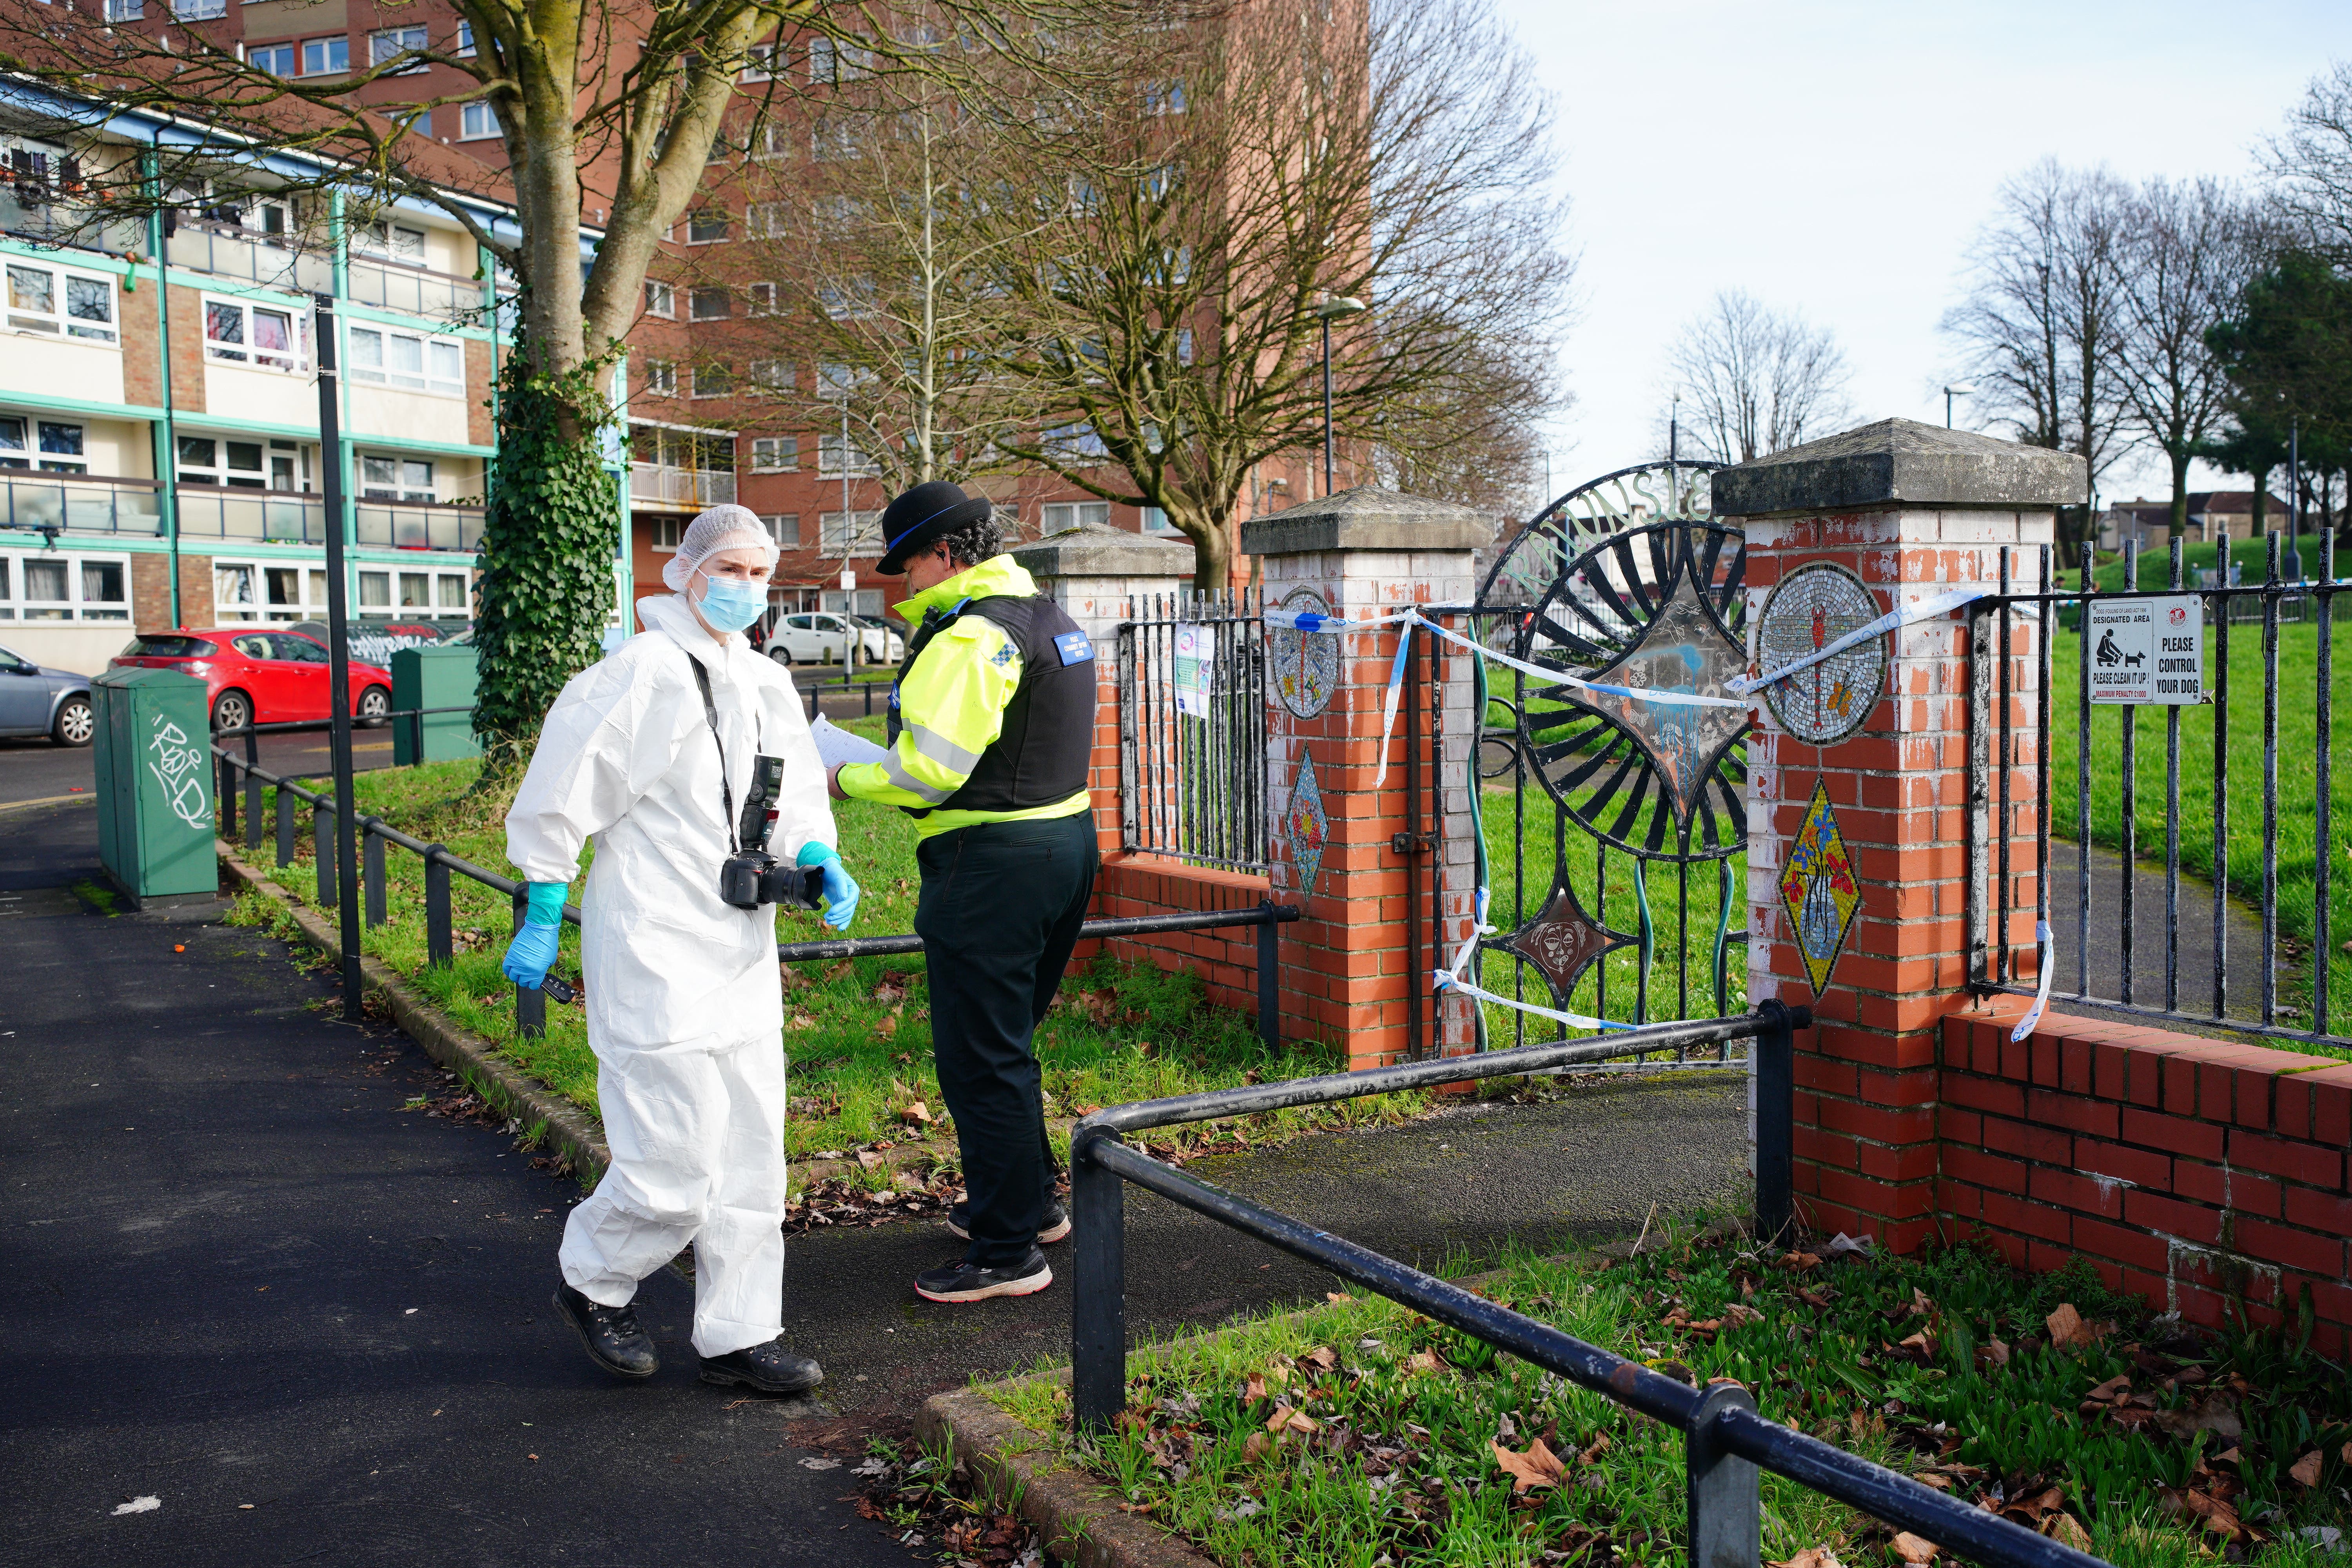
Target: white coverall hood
(685, 1004)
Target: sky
(1836, 158)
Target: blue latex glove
(532, 952)
(840, 892)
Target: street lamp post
(1958, 389)
(1332, 308)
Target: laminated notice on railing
(1195, 654)
(2148, 650)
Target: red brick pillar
(1858, 782)
(1357, 965)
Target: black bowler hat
(931, 509)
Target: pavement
(38, 770)
(2102, 958)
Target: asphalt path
(38, 770)
(311, 1325)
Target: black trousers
(998, 913)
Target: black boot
(770, 1368)
(1053, 1226)
(611, 1334)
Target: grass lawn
(2298, 845)
(1361, 1433)
(857, 1030)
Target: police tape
(2043, 948)
(1901, 616)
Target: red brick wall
(187, 309)
(2185, 1170)
(478, 427)
(1226, 960)
(150, 593)
(142, 359)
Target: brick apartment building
(160, 456)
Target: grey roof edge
(1903, 463)
(1367, 517)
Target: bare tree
(2040, 327)
(2187, 251)
(2311, 161)
(1249, 171)
(1756, 379)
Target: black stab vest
(1041, 752)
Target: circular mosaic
(1810, 608)
(1306, 664)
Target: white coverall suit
(685, 1002)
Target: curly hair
(975, 542)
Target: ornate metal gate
(1615, 827)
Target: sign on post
(2149, 650)
(1194, 654)
(848, 580)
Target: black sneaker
(958, 1281)
(614, 1341)
(770, 1368)
(1055, 1226)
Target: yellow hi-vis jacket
(951, 706)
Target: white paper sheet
(837, 746)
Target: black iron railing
(530, 1005)
(2236, 989)
(1192, 730)
(1727, 1441)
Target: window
(773, 374)
(375, 591)
(58, 304)
(267, 215)
(450, 591)
(661, 299)
(125, 10)
(784, 528)
(765, 297)
(850, 533)
(667, 532)
(294, 594)
(1067, 442)
(397, 479)
(772, 140)
(661, 378)
(706, 228)
(464, 39)
(1155, 521)
(757, 62)
(1063, 516)
(236, 332)
(831, 451)
(833, 138)
(208, 460)
(708, 304)
(765, 220)
(1165, 98)
(713, 380)
(1183, 345)
(834, 216)
(277, 60)
(58, 444)
(837, 62)
(48, 587)
(326, 57)
(841, 380)
(393, 42)
(775, 453)
(198, 10)
(477, 122)
(418, 363)
(844, 300)
(392, 241)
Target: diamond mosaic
(1819, 890)
(1303, 823)
(1562, 941)
(1683, 649)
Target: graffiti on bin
(179, 767)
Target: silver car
(37, 701)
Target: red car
(258, 675)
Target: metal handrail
(530, 1005)
(1724, 1439)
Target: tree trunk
(1213, 556)
(2178, 456)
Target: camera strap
(726, 791)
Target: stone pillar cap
(1367, 517)
(1901, 462)
(1099, 549)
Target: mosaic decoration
(1303, 823)
(1684, 648)
(1817, 889)
(1563, 939)
(1306, 664)
(1811, 607)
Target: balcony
(269, 517)
(80, 503)
(413, 290)
(652, 485)
(411, 525)
(274, 261)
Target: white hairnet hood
(728, 527)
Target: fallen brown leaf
(869, 1159)
(1335, 1297)
(1915, 1549)
(1537, 1467)
(1254, 1389)
(919, 1113)
(2067, 1530)
(1423, 1361)
(1810, 1557)
(2067, 1328)
(1320, 1358)
(1993, 1353)
(2114, 1388)
(1797, 1263)
(1258, 1448)
(2304, 1472)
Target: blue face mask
(732, 605)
